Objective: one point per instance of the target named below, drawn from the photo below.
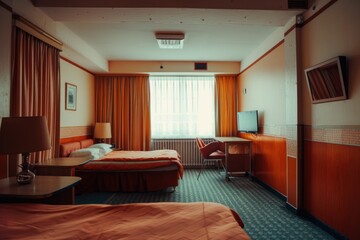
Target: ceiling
(128, 34)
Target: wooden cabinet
(237, 155)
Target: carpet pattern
(265, 215)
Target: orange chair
(211, 153)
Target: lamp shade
(24, 135)
(102, 130)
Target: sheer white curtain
(182, 106)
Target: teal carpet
(264, 214)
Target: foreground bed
(126, 171)
(129, 221)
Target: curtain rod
(37, 32)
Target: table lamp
(24, 135)
(102, 131)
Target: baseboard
(270, 189)
(292, 209)
(323, 226)
(302, 213)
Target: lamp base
(25, 177)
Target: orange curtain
(35, 85)
(126, 104)
(104, 96)
(225, 105)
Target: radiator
(187, 148)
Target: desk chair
(210, 153)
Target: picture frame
(327, 81)
(70, 96)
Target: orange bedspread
(129, 221)
(165, 154)
(135, 160)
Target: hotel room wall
(262, 87)
(124, 67)
(5, 47)
(80, 122)
(332, 130)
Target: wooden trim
(292, 181)
(4, 5)
(289, 30)
(318, 12)
(37, 32)
(76, 65)
(264, 55)
(122, 75)
(226, 75)
(75, 131)
(311, 17)
(75, 139)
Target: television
(247, 121)
(327, 81)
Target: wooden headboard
(67, 148)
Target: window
(182, 106)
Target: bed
(128, 221)
(125, 171)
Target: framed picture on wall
(70, 96)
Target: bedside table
(44, 189)
(59, 166)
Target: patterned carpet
(264, 214)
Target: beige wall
(172, 67)
(265, 88)
(85, 110)
(334, 32)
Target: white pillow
(92, 153)
(104, 148)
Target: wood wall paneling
(77, 133)
(331, 191)
(292, 181)
(269, 160)
(74, 139)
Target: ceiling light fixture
(170, 40)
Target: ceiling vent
(200, 66)
(297, 4)
(170, 40)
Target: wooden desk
(60, 166)
(44, 189)
(237, 154)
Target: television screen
(247, 121)
(327, 81)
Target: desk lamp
(102, 131)
(24, 135)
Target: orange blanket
(129, 221)
(164, 154)
(135, 160)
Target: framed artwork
(70, 96)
